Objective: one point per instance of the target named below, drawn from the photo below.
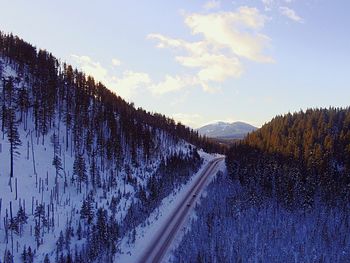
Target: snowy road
(162, 241)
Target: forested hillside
(234, 224)
(285, 196)
(78, 165)
(318, 137)
(298, 155)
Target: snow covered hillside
(80, 168)
(234, 225)
(225, 130)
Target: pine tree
(60, 243)
(46, 259)
(9, 120)
(79, 231)
(58, 164)
(94, 244)
(8, 258)
(102, 225)
(94, 172)
(13, 137)
(87, 211)
(79, 169)
(40, 215)
(67, 239)
(30, 255)
(13, 225)
(23, 101)
(69, 258)
(21, 216)
(24, 254)
(37, 234)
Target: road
(163, 239)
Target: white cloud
(172, 84)
(212, 66)
(272, 4)
(238, 31)
(226, 37)
(91, 67)
(212, 5)
(284, 10)
(116, 62)
(124, 85)
(190, 120)
(129, 82)
(268, 4)
(291, 14)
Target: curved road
(162, 241)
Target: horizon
(201, 62)
(186, 131)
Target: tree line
(84, 102)
(109, 140)
(298, 156)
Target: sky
(200, 61)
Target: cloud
(286, 11)
(214, 67)
(268, 4)
(129, 82)
(291, 14)
(116, 62)
(225, 39)
(190, 120)
(172, 84)
(238, 31)
(212, 5)
(91, 67)
(124, 85)
(272, 4)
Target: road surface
(162, 241)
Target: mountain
(80, 167)
(307, 150)
(225, 130)
(286, 182)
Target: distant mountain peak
(222, 129)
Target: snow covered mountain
(80, 168)
(225, 130)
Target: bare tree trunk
(31, 138)
(11, 160)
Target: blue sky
(200, 61)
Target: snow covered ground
(146, 232)
(232, 226)
(35, 184)
(193, 216)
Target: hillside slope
(77, 162)
(284, 198)
(310, 150)
(225, 130)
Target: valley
(86, 176)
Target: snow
(193, 216)
(145, 233)
(225, 129)
(41, 187)
(232, 227)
